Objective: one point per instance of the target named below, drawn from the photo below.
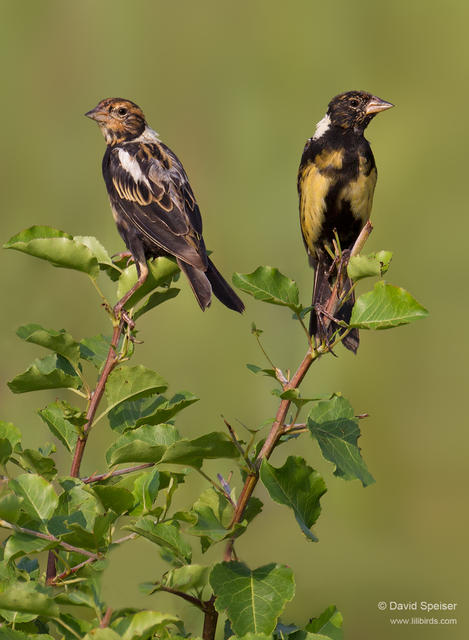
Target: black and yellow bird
(336, 182)
(153, 204)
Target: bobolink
(153, 204)
(336, 182)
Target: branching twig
(77, 567)
(118, 472)
(94, 399)
(185, 596)
(106, 619)
(278, 428)
(210, 619)
(111, 361)
(47, 536)
(68, 572)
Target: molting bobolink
(336, 182)
(153, 204)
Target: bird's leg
(326, 312)
(123, 255)
(119, 311)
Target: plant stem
(210, 619)
(185, 596)
(278, 427)
(111, 361)
(106, 619)
(271, 441)
(71, 571)
(77, 567)
(118, 472)
(49, 537)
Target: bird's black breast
(336, 181)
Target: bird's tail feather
(320, 326)
(222, 289)
(204, 282)
(199, 283)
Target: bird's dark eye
(354, 102)
(122, 111)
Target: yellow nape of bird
(336, 183)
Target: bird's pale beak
(375, 105)
(96, 114)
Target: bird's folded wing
(159, 202)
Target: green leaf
(385, 307)
(161, 272)
(156, 298)
(102, 634)
(102, 256)
(294, 396)
(269, 285)
(142, 625)
(193, 452)
(375, 264)
(9, 507)
(118, 499)
(150, 410)
(32, 460)
(266, 372)
(125, 415)
(297, 486)
(28, 597)
(57, 247)
(39, 497)
(59, 341)
(329, 624)
(193, 577)
(214, 514)
(5, 450)
(95, 350)
(145, 491)
(169, 408)
(254, 636)
(63, 429)
(335, 427)
(145, 444)
(165, 535)
(130, 383)
(12, 634)
(51, 372)
(93, 540)
(20, 544)
(9, 432)
(79, 503)
(252, 600)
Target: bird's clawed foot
(121, 256)
(121, 314)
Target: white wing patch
(131, 165)
(321, 127)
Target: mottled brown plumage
(153, 205)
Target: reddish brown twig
(278, 427)
(118, 472)
(210, 619)
(111, 361)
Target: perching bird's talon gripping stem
(121, 314)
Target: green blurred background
(235, 89)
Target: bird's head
(119, 120)
(354, 110)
